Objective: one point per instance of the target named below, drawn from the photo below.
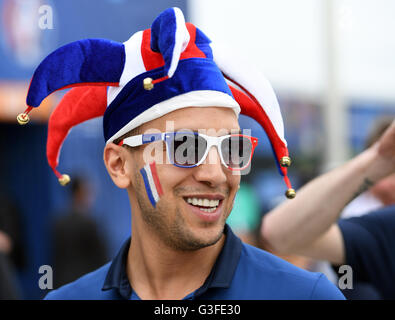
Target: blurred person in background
(12, 253)
(11, 231)
(8, 287)
(380, 195)
(308, 225)
(78, 246)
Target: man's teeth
(208, 210)
(210, 204)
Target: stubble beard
(174, 234)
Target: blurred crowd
(77, 246)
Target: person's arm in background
(307, 225)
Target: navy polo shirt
(240, 272)
(369, 242)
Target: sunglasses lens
(236, 151)
(187, 149)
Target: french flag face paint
(151, 182)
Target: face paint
(151, 182)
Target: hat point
(64, 180)
(290, 193)
(285, 161)
(23, 118)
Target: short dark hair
(133, 132)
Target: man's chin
(194, 234)
(204, 237)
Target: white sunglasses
(190, 149)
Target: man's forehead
(208, 131)
(196, 119)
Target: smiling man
(174, 143)
(179, 219)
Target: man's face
(179, 224)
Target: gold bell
(285, 161)
(23, 118)
(290, 193)
(148, 85)
(64, 179)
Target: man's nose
(211, 170)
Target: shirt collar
(116, 276)
(220, 276)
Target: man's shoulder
(263, 260)
(88, 287)
(271, 277)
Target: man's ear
(115, 159)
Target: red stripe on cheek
(156, 178)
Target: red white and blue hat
(173, 65)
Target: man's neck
(156, 271)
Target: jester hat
(173, 65)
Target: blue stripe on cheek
(147, 187)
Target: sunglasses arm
(135, 141)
